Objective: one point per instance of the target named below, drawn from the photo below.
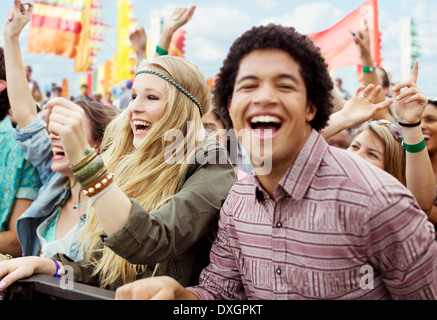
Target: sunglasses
(395, 130)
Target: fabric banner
(65, 89)
(126, 60)
(107, 79)
(67, 28)
(177, 46)
(56, 26)
(90, 38)
(82, 62)
(337, 43)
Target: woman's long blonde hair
(142, 173)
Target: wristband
(58, 270)
(367, 69)
(414, 148)
(9, 257)
(410, 125)
(160, 51)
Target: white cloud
(218, 22)
(262, 5)
(309, 17)
(203, 49)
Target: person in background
(50, 224)
(343, 92)
(126, 97)
(33, 86)
(216, 124)
(84, 93)
(399, 150)
(341, 140)
(107, 101)
(374, 75)
(19, 180)
(57, 93)
(429, 130)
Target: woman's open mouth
(58, 153)
(141, 127)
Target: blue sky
(216, 24)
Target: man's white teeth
(265, 119)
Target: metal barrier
(42, 287)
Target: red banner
(337, 43)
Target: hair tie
(177, 85)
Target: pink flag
(337, 43)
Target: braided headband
(177, 85)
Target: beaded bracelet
(9, 257)
(99, 186)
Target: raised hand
(409, 101)
(180, 17)
(362, 39)
(18, 18)
(138, 40)
(361, 108)
(67, 120)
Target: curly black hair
(4, 100)
(313, 68)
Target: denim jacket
(35, 141)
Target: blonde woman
(380, 143)
(155, 197)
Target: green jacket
(180, 234)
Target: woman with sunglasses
(398, 150)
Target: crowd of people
(274, 185)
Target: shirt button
(279, 225)
(279, 271)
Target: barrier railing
(41, 287)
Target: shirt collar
(5, 125)
(299, 175)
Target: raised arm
(138, 40)
(23, 106)
(362, 38)
(359, 109)
(179, 18)
(409, 106)
(138, 36)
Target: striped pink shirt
(340, 228)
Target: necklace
(80, 205)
